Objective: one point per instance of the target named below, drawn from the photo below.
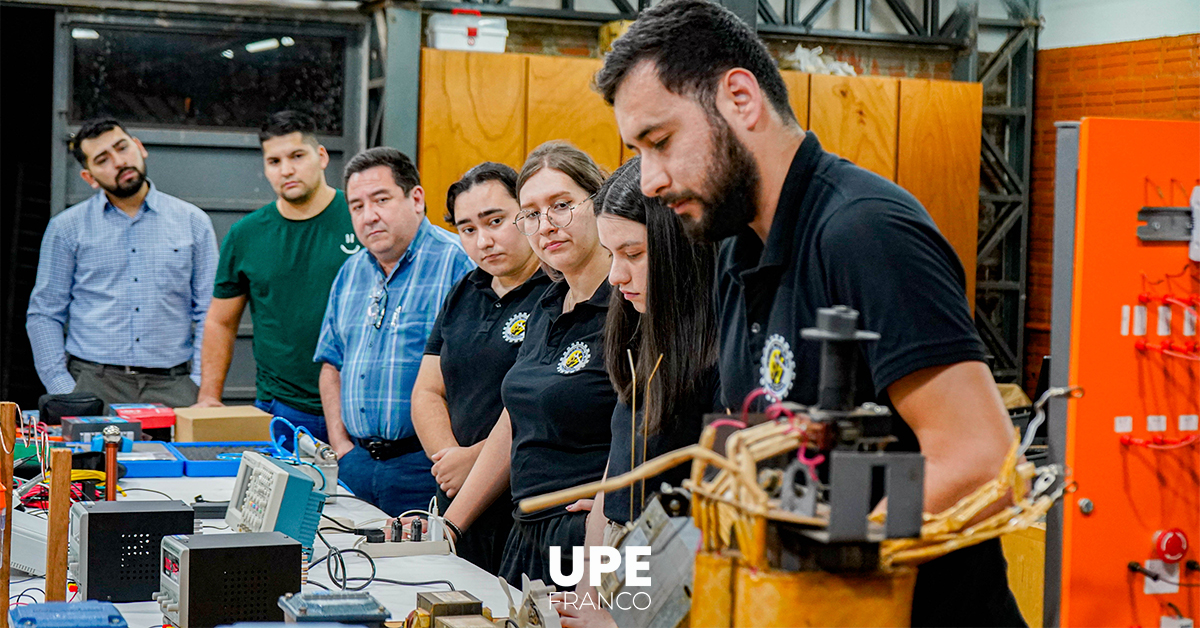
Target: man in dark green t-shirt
(281, 259)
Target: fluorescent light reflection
(84, 33)
(262, 46)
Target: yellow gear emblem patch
(514, 328)
(777, 367)
(574, 358)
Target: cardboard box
(236, 423)
(82, 428)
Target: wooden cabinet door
(798, 87)
(856, 117)
(938, 161)
(562, 106)
(472, 110)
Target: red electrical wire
(755, 394)
(1161, 442)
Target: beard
(125, 190)
(734, 179)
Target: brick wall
(1150, 79)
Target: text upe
(601, 560)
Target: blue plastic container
(201, 459)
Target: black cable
(340, 526)
(409, 584)
(148, 490)
(17, 598)
(337, 565)
(1136, 567)
(508, 621)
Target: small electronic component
(440, 603)
(356, 607)
(82, 428)
(270, 494)
(67, 615)
(451, 609)
(208, 580)
(113, 553)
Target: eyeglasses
(558, 215)
(378, 306)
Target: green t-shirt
(286, 267)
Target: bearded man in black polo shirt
(698, 96)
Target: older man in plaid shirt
(381, 308)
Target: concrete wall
(1089, 22)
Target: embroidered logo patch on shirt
(514, 329)
(574, 358)
(778, 366)
(350, 241)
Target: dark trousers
(313, 423)
(528, 548)
(967, 587)
(116, 386)
(394, 486)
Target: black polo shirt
(844, 236)
(559, 398)
(625, 504)
(841, 236)
(478, 334)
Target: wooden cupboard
(922, 134)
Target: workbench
(400, 600)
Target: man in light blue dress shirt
(123, 284)
(381, 308)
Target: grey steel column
(1066, 170)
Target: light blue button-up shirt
(134, 290)
(379, 363)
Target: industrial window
(222, 79)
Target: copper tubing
(110, 471)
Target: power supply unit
(114, 546)
(212, 580)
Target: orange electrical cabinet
(1131, 344)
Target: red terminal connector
(1142, 345)
(1145, 298)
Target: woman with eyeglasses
(661, 354)
(554, 432)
